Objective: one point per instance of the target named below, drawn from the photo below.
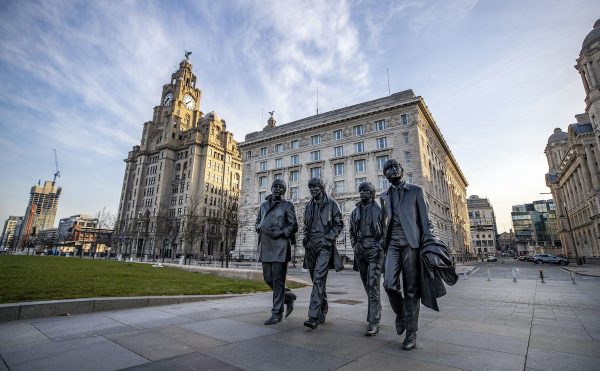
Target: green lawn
(29, 278)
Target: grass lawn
(30, 278)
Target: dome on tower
(558, 136)
(591, 38)
(213, 116)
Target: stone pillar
(586, 87)
(590, 76)
(586, 181)
(592, 73)
(592, 168)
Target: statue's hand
(358, 248)
(274, 233)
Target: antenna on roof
(317, 99)
(388, 75)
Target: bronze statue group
(393, 237)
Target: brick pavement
(497, 325)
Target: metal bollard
(542, 275)
(488, 275)
(573, 277)
(514, 274)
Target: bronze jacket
(331, 219)
(280, 216)
(413, 214)
(374, 221)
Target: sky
(83, 76)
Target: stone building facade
(182, 182)
(574, 162)
(347, 146)
(484, 233)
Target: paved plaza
(483, 325)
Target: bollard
(514, 273)
(573, 277)
(488, 275)
(542, 275)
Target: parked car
(547, 258)
(529, 258)
(492, 258)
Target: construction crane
(57, 174)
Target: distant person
(366, 235)
(276, 226)
(322, 224)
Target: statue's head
(278, 188)
(366, 191)
(316, 188)
(393, 171)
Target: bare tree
(191, 228)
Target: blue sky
(82, 77)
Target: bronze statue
(406, 229)
(322, 224)
(187, 54)
(366, 235)
(276, 226)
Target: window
(261, 196)
(294, 160)
(278, 176)
(279, 147)
(295, 144)
(263, 166)
(359, 166)
(315, 172)
(409, 177)
(359, 147)
(315, 139)
(405, 138)
(263, 151)
(262, 181)
(382, 182)
(407, 157)
(358, 130)
(294, 193)
(380, 125)
(315, 155)
(381, 143)
(337, 134)
(381, 160)
(248, 155)
(357, 182)
(340, 187)
(404, 119)
(338, 151)
(339, 169)
(278, 163)
(294, 176)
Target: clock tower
(181, 180)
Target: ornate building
(484, 233)
(182, 183)
(347, 146)
(574, 162)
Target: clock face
(188, 101)
(168, 99)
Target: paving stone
(474, 339)
(563, 332)
(146, 318)
(192, 361)
(451, 355)
(151, 345)
(95, 353)
(321, 340)
(549, 360)
(80, 327)
(382, 361)
(265, 354)
(193, 339)
(565, 345)
(485, 328)
(229, 330)
(20, 333)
